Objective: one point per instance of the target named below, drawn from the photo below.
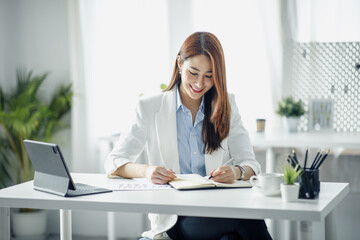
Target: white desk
(324, 140)
(207, 203)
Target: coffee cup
(267, 181)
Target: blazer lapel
(166, 131)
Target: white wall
(2, 40)
(34, 35)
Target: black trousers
(197, 228)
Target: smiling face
(196, 78)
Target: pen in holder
(309, 179)
(309, 183)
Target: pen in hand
(228, 163)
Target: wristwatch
(242, 171)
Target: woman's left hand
(224, 174)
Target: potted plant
(290, 189)
(291, 110)
(25, 115)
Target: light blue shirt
(189, 137)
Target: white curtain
(77, 74)
(271, 15)
(119, 52)
(323, 20)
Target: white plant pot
(29, 225)
(291, 123)
(289, 192)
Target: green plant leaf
(163, 86)
(291, 173)
(288, 107)
(7, 162)
(2, 99)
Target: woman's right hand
(159, 175)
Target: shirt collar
(183, 107)
(178, 99)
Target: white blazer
(154, 131)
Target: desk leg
(5, 223)
(292, 230)
(331, 226)
(65, 224)
(111, 226)
(269, 168)
(270, 160)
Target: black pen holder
(309, 184)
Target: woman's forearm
(156, 174)
(132, 170)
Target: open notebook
(195, 181)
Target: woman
(192, 127)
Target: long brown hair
(217, 107)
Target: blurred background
(114, 51)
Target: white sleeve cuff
(112, 165)
(255, 166)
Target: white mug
(267, 181)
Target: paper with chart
(134, 184)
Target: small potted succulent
(290, 189)
(291, 110)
